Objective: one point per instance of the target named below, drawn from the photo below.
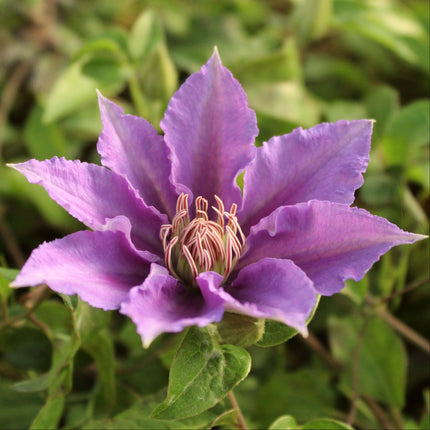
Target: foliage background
(366, 361)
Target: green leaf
(8, 274)
(287, 101)
(43, 140)
(311, 19)
(158, 75)
(342, 109)
(276, 332)
(145, 34)
(356, 291)
(286, 422)
(26, 348)
(17, 410)
(91, 324)
(138, 417)
(102, 350)
(381, 103)
(89, 321)
(202, 373)
(408, 133)
(362, 347)
(283, 65)
(305, 394)
(49, 416)
(391, 26)
(6, 277)
(39, 383)
(326, 424)
(240, 330)
(72, 91)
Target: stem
(240, 419)
(379, 413)
(409, 334)
(44, 293)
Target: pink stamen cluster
(201, 245)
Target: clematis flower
(174, 242)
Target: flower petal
(131, 147)
(325, 162)
(210, 131)
(93, 194)
(100, 267)
(271, 288)
(162, 304)
(329, 241)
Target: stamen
(168, 254)
(203, 244)
(164, 232)
(190, 260)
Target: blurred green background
(301, 62)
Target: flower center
(201, 245)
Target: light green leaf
(6, 277)
(408, 134)
(286, 101)
(145, 34)
(286, 422)
(202, 373)
(311, 19)
(326, 424)
(49, 416)
(43, 140)
(90, 321)
(347, 110)
(381, 104)
(71, 91)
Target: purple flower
(174, 242)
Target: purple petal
(162, 304)
(93, 194)
(210, 132)
(329, 241)
(323, 163)
(271, 288)
(131, 147)
(100, 267)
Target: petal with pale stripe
(101, 267)
(131, 147)
(329, 241)
(325, 162)
(210, 131)
(94, 194)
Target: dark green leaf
(276, 332)
(202, 373)
(362, 347)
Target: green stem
(240, 419)
(138, 98)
